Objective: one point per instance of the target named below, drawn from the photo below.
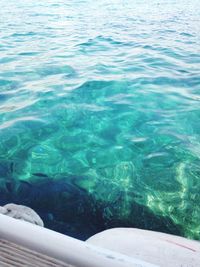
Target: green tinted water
(99, 111)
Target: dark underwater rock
(69, 209)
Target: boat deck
(12, 255)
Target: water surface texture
(100, 113)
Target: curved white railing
(61, 247)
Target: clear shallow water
(99, 112)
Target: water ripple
(99, 113)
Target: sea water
(100, 113)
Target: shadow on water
(68, 209)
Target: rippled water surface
(100, 113)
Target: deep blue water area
(100, 113)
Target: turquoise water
(100, 113)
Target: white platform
(158, 248)
(63, 248)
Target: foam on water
(99, 112)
